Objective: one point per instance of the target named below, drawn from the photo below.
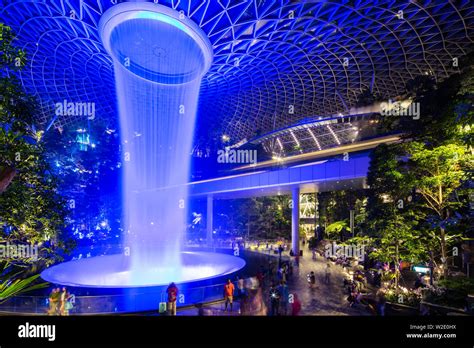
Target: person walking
(228, 294)
(172, 292)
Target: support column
(209, 219)
(316, 214)
(351, 221)
(295, 221)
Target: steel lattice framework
(276, 62)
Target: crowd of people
(273, 277)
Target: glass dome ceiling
(275, 62)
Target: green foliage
(262, 217)
(14, 283)
(366, 241)
(403, 296)
(438, 175)
(438, 172)
(422, 182)
(389, 184)
(312, 242)
(368, 98)
(30, 206)
(413, 184)
(462, 284)
(334, 230)
(335, 205)
(11, 57)
(445, 108)
(451, 292)
(399, 241)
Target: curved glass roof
(276, 62)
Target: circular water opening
(112, 271)
(155, 42)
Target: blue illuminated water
(158, 69)
(159, 60)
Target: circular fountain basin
(111, 271)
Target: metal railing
(114, 304)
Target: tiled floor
(324, 299)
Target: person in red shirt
(172, 296)
(228, 294)
(295, 306)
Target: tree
(262, 217)
(390, 184)
(399, 241)
(438, 173)
(31, 209)
(335, 205)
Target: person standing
(284, 296)
(261, 277)
(65, 301)
(62, 301)
(285, 273)
(275, 297)
(172, 292)
(54, 298)
(240, 287)
(311, 277)
(381, 301)
(228, 294)
(327, 274)
(295, 305)
(280, 274)
(280, 251)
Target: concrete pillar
(295, 220)
(209, 219)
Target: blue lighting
(263, 60)
(175, 78)
(159, 17)
(157, 127)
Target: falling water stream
(159, 59)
